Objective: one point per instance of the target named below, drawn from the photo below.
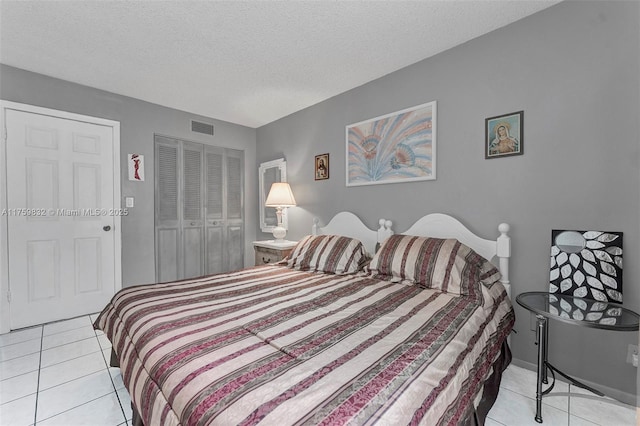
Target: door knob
(106, 228)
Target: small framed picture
(322, 167)
(504, 135)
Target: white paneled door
(61, 216)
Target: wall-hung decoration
(322, 167)
(393, 148)
(504, 135)
(136, 167)
(587, 264)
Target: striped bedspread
(270, 345)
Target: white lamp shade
(280, 195)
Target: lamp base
(279, 232)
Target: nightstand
(271, 251)
(575, 311)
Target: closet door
(168, 215)
(199, 209)
(193, 211)
(235, 209)
(224, 209)
(215, 224)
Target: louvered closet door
(215, 228)
(168, 220)
(193, 215)
(224, 209)
(235, 209)
(199, 209)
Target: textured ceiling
(247, 62)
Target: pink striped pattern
(273, 345)
(332, 254)
(441, 264)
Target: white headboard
(350, 225)
(439, 225)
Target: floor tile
(69, 336)
(18, 387)
(511, 408)
(69, 351)
(524, 382)
(578, 421)
(70, 370)
(490, 422)
(18, 350)
(104, 342)
(589, 407)
(72, 394)
(106, 353)
(66, 325)
(19, 412)
(116, 377)
(17, 366)
(21, 335)
(101, 411)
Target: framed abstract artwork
(393, 148)
(503, 135)
(321, 167)
(586, 264)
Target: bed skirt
(475, 417)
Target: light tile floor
(58, 374)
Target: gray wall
(574, 70)
(139, 121)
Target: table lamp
(280, 196)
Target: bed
(414, 335)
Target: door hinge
(9, 296)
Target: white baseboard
(624, 397)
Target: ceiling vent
(200, 127)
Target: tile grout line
(35, 410)
(494, 420)
(69, 381)
(71, 359)
(569, 405)
(70, 329)
(42, 335)
(87, 402)
(62, 344)
(106, 363)
(534, 400)
(73, 408)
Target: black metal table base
(544, 367)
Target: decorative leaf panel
(593, 272)
(585, 309)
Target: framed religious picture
(504, 135)
(322, 167)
